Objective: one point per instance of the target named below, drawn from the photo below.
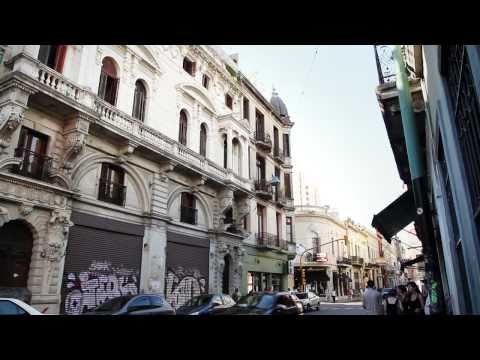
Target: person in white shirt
(372, 299)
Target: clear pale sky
(339, 143)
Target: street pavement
(349, 308)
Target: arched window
(53, 56)
(108, 87)
(182, 135)
(203, 140)
(139, 101)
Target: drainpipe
(417, 173)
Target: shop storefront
(187, 267)
(103, 260)
(264, 270)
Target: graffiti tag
(100, 283)
(183, 284)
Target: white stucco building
(134, 168)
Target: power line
(307, 75)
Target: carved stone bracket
(57, 234)
(75, 134)
(25, 209)
(11, 117)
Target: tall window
(260, 219)
(279, 228)
(203, 140)
(286, 145)
(108, 87)
(259, 123)
(288, 186)
(32, 148)
(189, 66)
(246, 108)
(225, 151)
(188, 208)
(237, 156)
(53, 56)
(275, 141)
(466, 112)
(182, 135)
(260, 168)
(139, 101)
(111, 188)
(228, 101)
(289, 228)
(205, 81)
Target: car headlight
(195, 313)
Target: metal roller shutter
(187, 268)
(100, 263)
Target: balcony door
(279, 228)
(275, 141)
(188, 208)
(260, 220)
(53, 56)
(260, 124)
(32, 147)
(260, 168)
(112, 187)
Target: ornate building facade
(129, 169)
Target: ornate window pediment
(198, 94)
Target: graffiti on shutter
(182, 284)
(99, 283)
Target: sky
(339, 143)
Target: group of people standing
(403, 300)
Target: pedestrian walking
(414, 301)
(402, 298)
(334, 295)
(236, 295)
(372, 299)
(391, 303)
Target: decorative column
(154, 258)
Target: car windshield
(199, 300)
(302, 295)
(114, 304)
(260, 301)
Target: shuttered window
(53, 56)
(139, 101)
(108, 87)
(182, 136)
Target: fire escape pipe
(417, 171)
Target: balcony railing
(357, 260)
(271, 240)
(278, 154)
(33, 165)
(263, 140)
(188, 215)
(112, 192)
(344, 260)
(263, 188)
(120, 122)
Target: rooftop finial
(274, 91)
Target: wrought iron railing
(263, 186)
(278, 154)
(264, 138)
(112, 192)
(344, 260)
(265, 239)
(357, 260)
(188, 215)
(33, 165)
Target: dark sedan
(263, 303)
(134, 305)
(205, 304)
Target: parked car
(143, 304)
(11, 306)
(309, 300)
(298, 302)
(263, 303)
(205, 304)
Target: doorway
(16, 243)
(226, 275)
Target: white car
(309, 300)
(10, 306)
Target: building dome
(278, 104)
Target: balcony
(33, 165)
(278, 155)
(263, 189)
(67, 98)
(112, 192)
(344, 261)
(263, 141)
(357, 260)
(188, 215)
(267, 240)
